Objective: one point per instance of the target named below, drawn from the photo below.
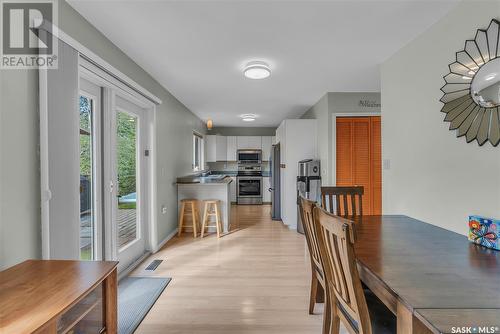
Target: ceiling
(197, 49)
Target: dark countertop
(235, 173)
(232, 173)
(195, 179)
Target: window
(87, 171)
(197, 152)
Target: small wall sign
(369, 104)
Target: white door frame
(111, 89)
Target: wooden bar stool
(207, 213)
(193, 205)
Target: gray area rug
(136, 296)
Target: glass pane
(87, 213)
(196, 153)
(126, 147)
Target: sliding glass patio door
(96, 180)
(89, 131)
(113, 136)
(129, 194)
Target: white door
(129, 181)
(90, 116)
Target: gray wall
(325, 110)
(320, 112)
(435, 176)
(240, 131)
(20, 181)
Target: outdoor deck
(126, 229)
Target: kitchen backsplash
(231, 166)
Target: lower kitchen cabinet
(232, 190)
(266, 194)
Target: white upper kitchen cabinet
(249, 142)
(232, 146)
(221, 148)
(242, 142)
(267, 142)
(255, 142)
(216, 148)
(211, 148)
(298, 141)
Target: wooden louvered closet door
(359, 158)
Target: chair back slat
(343, 201)
(336, 247)
(353, 202)
(345, 205)
(306, 211)
(337, 269)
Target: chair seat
(187, 200)
(382, 319)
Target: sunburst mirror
(472, 90)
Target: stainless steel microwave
(249, 156)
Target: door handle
(270, 189)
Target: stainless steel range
(249, 184)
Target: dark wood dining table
(434, 280)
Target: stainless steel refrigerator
(275, 181)
(308, 185)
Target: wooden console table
(61, 297)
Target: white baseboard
(164, 241)
(135, 264)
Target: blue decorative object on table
(484, 231)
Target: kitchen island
(211, 187)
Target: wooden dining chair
(359, 310)
(317, 293)
(338, 200)
(306, 211)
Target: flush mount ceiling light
(248, 117)
(257, 70)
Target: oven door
(249, 189)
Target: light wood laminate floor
(253, 280)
